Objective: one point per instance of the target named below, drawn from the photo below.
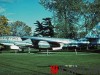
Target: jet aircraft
(14, 42)
(60, 43)
(51, 43)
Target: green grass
(38, 64)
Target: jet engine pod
(14, 47)
(43, 44)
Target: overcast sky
(27, 11)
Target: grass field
(39, 64)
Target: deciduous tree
(79, 14)
(19, 28)
(4, 28)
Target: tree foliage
(70, 13)
(38, 30)
(45, 28)
(4, 28)
(66, 13)
(19, 28)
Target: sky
(28, 11)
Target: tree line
(73, 18)
(17, 28)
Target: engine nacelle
(14, 47)
(44, 44)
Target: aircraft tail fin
(95, 32)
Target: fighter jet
(51, 43)
(14, 42)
